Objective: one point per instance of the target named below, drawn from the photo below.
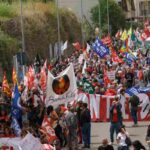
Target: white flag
(61, 89)
(64, 47)
(87, 47)
(84, 67)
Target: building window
(143, 10)
(132, 4)
(124, 5)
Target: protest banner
(61, 89)
(99, 106)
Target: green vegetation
(40, 26)
(116, 15)
(6, 11)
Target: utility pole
(108, 14)
(58, 30)
(82, 36)
(23, 37)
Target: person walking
(115, 117)
(134, 103)
(86, 125)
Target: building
(135, 9)
(142, 9)
(128, 7)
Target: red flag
(77, 45)
(107, 40)
(14, 76)
(42, 80)
(5, 86)
(48, 130)
(30, 77)
(115, 57)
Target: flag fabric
(123, 48)
(87, 86)
(84, 67)
(30, 77)
(5, 86)
(15, 126)
(16, 107)
(145, 89)
(77, 45)
(129, 57)
(130, 32)
(43, 79)
(115, 57)
(48, 130)
(88, 47)
(107, 41)
(132, 91)
(100, 49)
(61, 89)
(65, 45)
(14, 76)
(124, 35)
(137, 90)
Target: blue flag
(100, 48)
(132, 91)
(144, 90)
(136, 90)
(16, 107)
(15, 126)
(129, 58)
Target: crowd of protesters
(72, 123)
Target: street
(101, 131)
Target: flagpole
(82, 23)
(108, 14)
(100, 18)
(58, 30)
(22, 36)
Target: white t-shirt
(122, 137)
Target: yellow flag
(124, 35)
(130, 32)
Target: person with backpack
(134, 103)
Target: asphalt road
(101, 131)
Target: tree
(116, 15)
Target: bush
(6, 11)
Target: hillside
(40, 25)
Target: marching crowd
(71, 123)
